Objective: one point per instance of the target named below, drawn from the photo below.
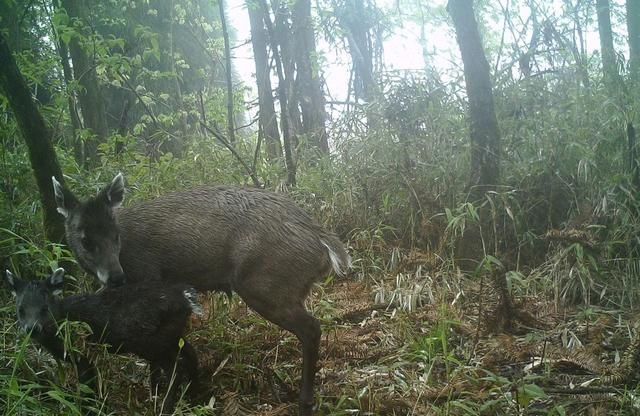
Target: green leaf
(66, 36)
(529, 392)
(60, 19)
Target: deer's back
(208, 236)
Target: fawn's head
(36, 300)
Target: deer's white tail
(340, 259)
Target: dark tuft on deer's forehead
(98, 204)
(97, 216)
(34, 284)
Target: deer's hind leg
(290, 314)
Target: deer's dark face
(36, 302)
(94, 237)
(92, 230)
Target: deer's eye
(88, 244)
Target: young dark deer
(144, 319)
(254, 242)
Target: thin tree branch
(144, 105)
(225, 142)
(228, 78)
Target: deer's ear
(65, 200)
(15, 283)
(115, 191)
(56, 281)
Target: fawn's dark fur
(144, 319)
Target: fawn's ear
(56, 281)
(15, 283)
(65, 200)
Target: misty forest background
(491, 206)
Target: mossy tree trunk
(609, 67)
(485, 136)
(37, 137)
(478, 241)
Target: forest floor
(438, 358)
(377, 357)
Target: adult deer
(254, 242)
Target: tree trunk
(282, 97)
(485, 136)
(308, 86)
(90, 97)
(282, 41)
(10, 22)
(231, 131)
(267, 113)
(609, 67)
(37, 137)
(354, 21)
(633, 27)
